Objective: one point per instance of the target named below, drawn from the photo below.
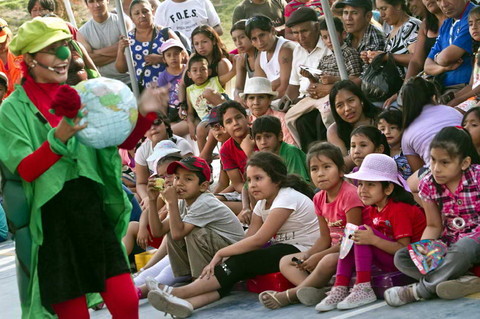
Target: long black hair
(374, 135)
(276, 169)
(261, 22)
(344, 129)
(416, 93)
(457, 142)
(399, 194)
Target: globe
(111, 112)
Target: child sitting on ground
(396, 221)
(202, 95)
(258, 96)
(198, 224)
(158, 266)
(449, 194)
(174, 55)
(284, 217)
(142, 232)
(268, 137)
(390, 124)
(336, 204)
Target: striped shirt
(293, 5)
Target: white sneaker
(458, 288)
(168, 303)
(361, 294)
(151, 284)
(399, 296)
(337, 294)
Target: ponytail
(297, 183)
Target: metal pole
(128, 52)
(334, 38)
(70, 15)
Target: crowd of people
(304, 154)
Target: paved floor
(245, 305)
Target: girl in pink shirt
(396, 222)
(336, 204)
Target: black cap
(367, 4)
(214, 115)
(302, 14)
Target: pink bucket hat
(379, 168)
(171, 43)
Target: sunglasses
(215, 126)
(157, 122)
(258, 19)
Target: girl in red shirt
(396, 222)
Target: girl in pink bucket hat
(396, 222)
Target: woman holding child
(145, 42)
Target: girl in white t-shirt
(283, 222)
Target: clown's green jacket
(22, 131)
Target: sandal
(270, 295)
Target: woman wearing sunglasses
(159, 131)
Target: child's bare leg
(222, 182)
(197, 288)
(180, 128)
(236, 207)
(206, 152)
(320, 277)
(130, 237)
(203, 300)
(202, 133)
(290, 271)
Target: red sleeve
(143, 124)
(35, 164)
(401, 220)
(288, 10)
(228, 162)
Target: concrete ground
(245, 305)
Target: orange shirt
(13, 71)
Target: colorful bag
(427, 254)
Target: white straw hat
(378, 168)
(258, 85)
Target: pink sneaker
(336, 295)
(361, 294)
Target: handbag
(381, 79)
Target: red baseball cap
(192, 163)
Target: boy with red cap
(198, 224)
